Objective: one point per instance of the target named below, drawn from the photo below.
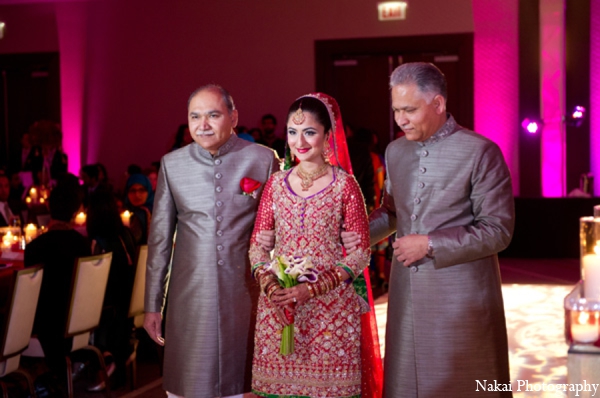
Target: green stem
(287, 340)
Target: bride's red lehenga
(336, 345)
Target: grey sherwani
(445, 325)
(211, 295)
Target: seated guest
(152, 174)
(90, 175)
(107, 234)
(6, 214)
(17, 193)
(57, 250)
(139, 199)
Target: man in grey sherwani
(449, 200)
(211, 296)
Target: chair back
(87, 293)
(136, 305)
(21, 313)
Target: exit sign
(391, 10)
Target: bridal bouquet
(290, 271)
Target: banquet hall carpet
(533, 291)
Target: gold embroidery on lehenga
(326, 361)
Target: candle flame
(33, 190)
(126, 213)
(597, 248)
(583, 318)
(28, 199)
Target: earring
(326, 151)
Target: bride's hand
(291, 297)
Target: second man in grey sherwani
(211, 295)
(449, 200)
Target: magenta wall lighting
(595, 93)
(496, 52)
(553, 92)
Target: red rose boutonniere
(250, 187)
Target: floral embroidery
(326, 361)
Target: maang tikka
(299, 116)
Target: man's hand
(266, 239)
(410, 248)
(152, 324)
(351, 240)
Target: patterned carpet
(535, 324)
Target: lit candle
(80, 218)
(30, 232)
(125, 217)
(7, 240)
(28, 200)
(33, 194)
(591, 274)
(583, 332)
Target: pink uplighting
(595, 93)
(552, 63)
(496, 55)
(71, 23)
(578, 113)
(531, 126)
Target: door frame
(461, 44)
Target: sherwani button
(218, 162)
(219, 218)
(220, 262)
(218, 176)
(424, 153)
(417, 200)
(421, 184)
(219, 233)
(219, 247)
(219, 189)
(219, 203)
(422, 170)
(413, 268)
(413, 217)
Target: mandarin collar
(226, 147)
(448, 128)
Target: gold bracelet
(338, 272)
(310, 290)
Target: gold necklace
(307, 178)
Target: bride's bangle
(311, 292)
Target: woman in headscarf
(139, 198)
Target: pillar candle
(125, 217)
(591, 275)
(582, 331)
(80, 218)
(30, 232)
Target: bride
(307, 205)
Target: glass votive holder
(597, 211)
(582, 320)
(589, 243)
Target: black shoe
(110, 369)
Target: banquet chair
(136, 309)
(24, 294)
(85, 307)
